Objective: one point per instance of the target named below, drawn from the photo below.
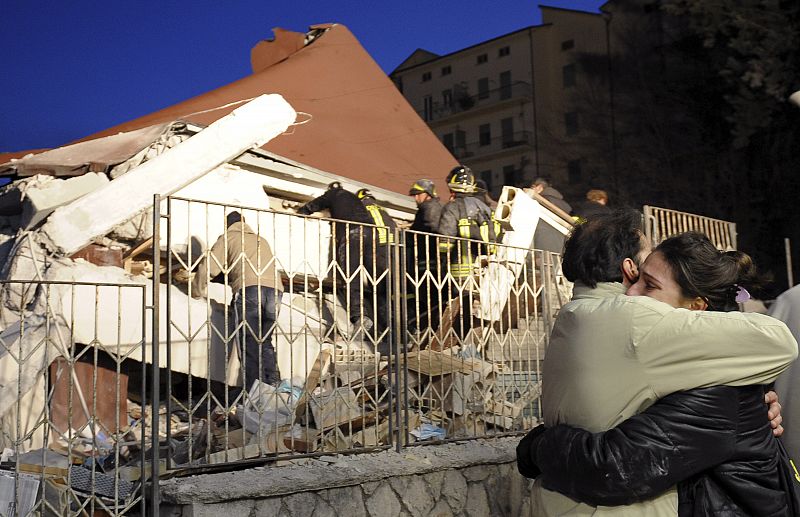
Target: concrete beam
(73, 226)
(42, 201)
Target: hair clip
(741, 294)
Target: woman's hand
(774, 413)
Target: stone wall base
(475, 478)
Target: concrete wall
(474, 478)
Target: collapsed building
(104, 348)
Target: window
(507, 131)
(483, 88)
(568, 44)
(571, 123)
(504, 51)
(574, 171)
(427, 107)
(461, 139)
(485, 134)
(482, 58)
(447, 98)
(508, 175)
(447, 70)
(426, 77)
(486, 176)
(505, 85)
(447, 140)
(568, 75)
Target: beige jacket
(242, 256)
(611, 356)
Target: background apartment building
(509, 107)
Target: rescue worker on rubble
(384, 236)
(465, 216)
(250, 266)
(422, 255)
(354, 248)
(385, 225)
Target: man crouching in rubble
(248, 260)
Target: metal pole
(787, 244)
(155, 388)
(616, 182)
(533, 101)
(399, 328)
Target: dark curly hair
(701, 270)
(595, 249)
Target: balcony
(493, 146)
(463, 102)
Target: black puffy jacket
(344, 206)
(715, 443)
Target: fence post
(396, 271)
(155, 395)
(167, 317)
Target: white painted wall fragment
(75, 225)
(519, 214)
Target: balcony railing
(463, 102)
(493, 145)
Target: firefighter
(385, 225)
(384, 236)
(422, 255)
(466, 216)
(353, 248)
(429, 208)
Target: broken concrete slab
(40, 201)
(520, 215)
(28, 262)
(99, 212)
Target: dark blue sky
(71, 68)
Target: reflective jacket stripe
(384, 235)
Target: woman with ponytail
(715, 443)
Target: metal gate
(73, 397)
(375, 346)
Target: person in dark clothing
(383, 237)
(422, 257)
(385, 225)
(354, 248)
(595, 204)
(546, 237)
(429, 208)
(466, 216)
(542, 187)
(716, 442)
(483, 189)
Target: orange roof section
(358, 125)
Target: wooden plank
(444, 338)
(433, 363)
(312, 381)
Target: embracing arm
(684, 349)
(679, 436)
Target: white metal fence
(660, 223)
